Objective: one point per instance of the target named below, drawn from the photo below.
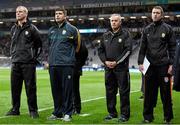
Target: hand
(170, 70)
(141, 68)
(46, 65)
(110, 64)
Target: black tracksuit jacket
(26, 43)
(115, 47)
(158, 44)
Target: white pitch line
(44, 109)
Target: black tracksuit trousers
(157, 76)
(76, 92)
(23, 72)
(114, 79)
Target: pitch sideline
(89, 100)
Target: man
(114, 51)
(158, 45)
(81, 57)
(176, 67)
(64, 42)
(26, 46)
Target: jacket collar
(117, 33)
(27, 23)
(62, 24)
(157, 23)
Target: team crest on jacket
(26, 32)
(163, 35)
(69, 76)
(120, 40)
(64, 32)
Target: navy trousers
(61, 78)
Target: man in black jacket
(158, 45)
(114, 51)
(81, 57)
(26, 46)
(176, 67)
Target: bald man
(114, 51)
(26, 46)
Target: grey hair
(115, 14)
(24, 9)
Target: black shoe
(123, 119)
(78, 111)
(145, 121)
(34, 115)
(141, 97)
(12, 112)
(166, 121)
(109, 117)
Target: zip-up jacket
(158, 44)
(64, 41)
(115, 47)
(26, 44)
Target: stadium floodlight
(100, 18)
(177, 15)
(91, 18)
(34, 21)
(42, 21)
(166, 16)
(1, 22)
(122, 18)
(52, 20)
(71, 19)
(80, 19)
(143, 17)
(132, 17)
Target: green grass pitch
(93, 101)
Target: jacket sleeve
(78, 40)
(101, 51)
(82, 55)
(143, 47)
(12, 30)
(37, 42)
(176, 58)
(127, 49)
(171, 45)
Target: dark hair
(63, 10)
(160, 8)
